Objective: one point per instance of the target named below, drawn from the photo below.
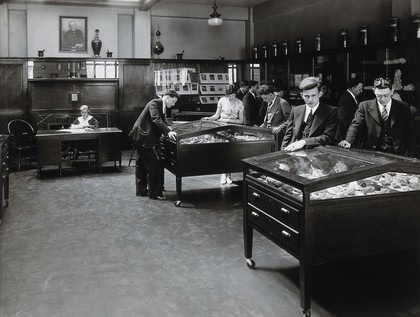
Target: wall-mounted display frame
(73, 31)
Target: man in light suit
(347, 106)
(313, 123)
(146, 132)
(383, 124)
(277, 113)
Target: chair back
(21, 132)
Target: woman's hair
(230, 90)
(84, 107)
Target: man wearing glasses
(383, 124)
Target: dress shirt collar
(308, 111)
(253, 94)
(388, 106)
(354, 97)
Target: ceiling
(142, 4)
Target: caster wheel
(177, 203)
(307, 313)
(250, 263)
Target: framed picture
(73, 31)
(194, 88)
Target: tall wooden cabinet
(397, 61)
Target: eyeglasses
(382, 83)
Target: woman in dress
(85, 120)
(229, 110)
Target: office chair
(23, 141)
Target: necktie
(307, 126)
(384, 114)
(309, 118)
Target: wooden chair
(23, 141)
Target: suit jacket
(251, 108)
(278, 114)
(240, 94)
(367, 124)
(150, 125)
(323, 128)
(347, 107)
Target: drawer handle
(256, 195)
(285, 234)
(285, 210)
(255, 215)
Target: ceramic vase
(96, 44)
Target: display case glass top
(329, 167)
(203, 131)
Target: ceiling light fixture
(215, 19)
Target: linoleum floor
(83, 245)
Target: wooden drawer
(274, 228)
(274, 207)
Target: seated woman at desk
(85, 120)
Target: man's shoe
(159, 198)
(143, 193)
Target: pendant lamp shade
(215, 19)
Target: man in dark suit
(347, 106)
(277, 113)
(243, 89)
(383, 124)
(313, 123)
(251, 104)
(146, 132)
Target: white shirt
(309, 109)
(387, 106)
(354, 97)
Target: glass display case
(211, 147)
(330, 203)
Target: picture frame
(194, 88)
(73, 34)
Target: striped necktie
(384, 114)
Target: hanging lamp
(215, 19)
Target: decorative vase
(96, 44)
(158, 47)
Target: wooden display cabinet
(329, 203)
(210, 147)
(4, 173)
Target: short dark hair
(171, 93)
(382, 83)
(253, 83)
(230, 90)
(310, 83)
(353, 82)
(266, 90)
(244, 83)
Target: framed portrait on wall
(73, 34)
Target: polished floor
(84, 245)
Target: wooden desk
(49, 144)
